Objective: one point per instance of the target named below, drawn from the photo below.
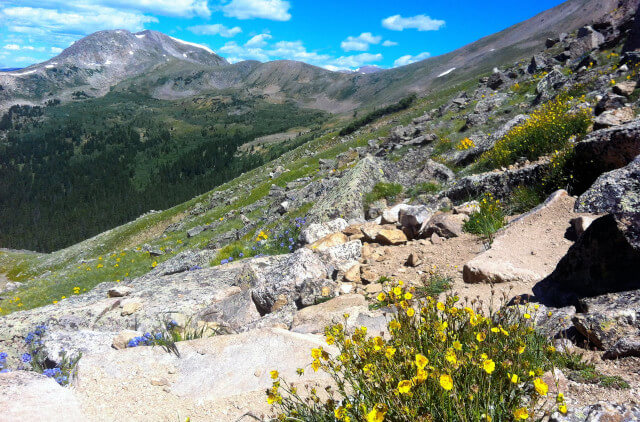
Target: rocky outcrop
(345, 199)
(615, 191)
(605, 259)
(599, 413)
(605, 150)
(612, 323)
(518, 254)
(499, 183)
(28, 396)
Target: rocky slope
(575, 256)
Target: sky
(334, 34)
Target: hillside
(474, 250)
(50, 151)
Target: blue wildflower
(291, 239)
(26, 358)
(241, 255)
(3, 371)
(230, 258)
(290, 247)
(3, 356)
(282, 244)
(224, 261)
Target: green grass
(383, 190)
(580, 371)
(433, 285)
(523, 199)
(488, 220)
(423, 188)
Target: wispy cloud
(361, 42)
(408, 59)
(258, 41)
(419, 22)
(389, 43)
(216, 29)
(277, 10)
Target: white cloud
(357, 60)
(235, 53)
(419, 22)
(183, 8)
(408, 59)
(12, 47)
(389, 43)
(16, 47)
(77, 22)
(56, 50)
(256, 49)
(361, 42)
(259, 40)
(277, 10)
(216, 29)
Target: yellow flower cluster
(442, 360)
(548, 128)
(465, 144)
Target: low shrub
(265, 242)
(487, 220)
(423, 188)
(548, 129)
(388, 191)
(443, 361)
(523, 199)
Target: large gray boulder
(612, 323)
(220, 378)
(615, 191)
(29, 396)
(297, 279)
(317, 231)
(345, 199)
(601, 412)
(605, 259)
(499, 183)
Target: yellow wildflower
(446, 382)
(541, 387)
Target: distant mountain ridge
(163, 67)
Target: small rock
(373, 288)
(435, 239)
(625, 88)
(330, 240)
(159, 382)
(611, 118)
(391, 237)
(352, 275)
(368, 276)
(413, 260)
(122, 339)
(467, 208)
(581, 224)
(446, 225)
(119, 291)
(129, 308)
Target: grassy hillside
(72, 171)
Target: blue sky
(333, 34)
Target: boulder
(499, 183)
(317, 231)
(581, 224)
(587, 39)
(445, 225)
(467, 208)
(390, 215)
(609, 102)
(216, 378)
(375, 209)
(612, 323)
(391, 237)
(615, 117)
(538, 63)
(29, 396)
(497, 80)
(412, 218)
(352, 275)
(605, 259)
(549, 85)
(330, 240)
(283, 278)
(625, 88)
(517, 253)
(195, 231)
(344, 200)
(615, 191)
(233, 314)
(599, 412)
(341, 257)
(605, 150)
(314, 319)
